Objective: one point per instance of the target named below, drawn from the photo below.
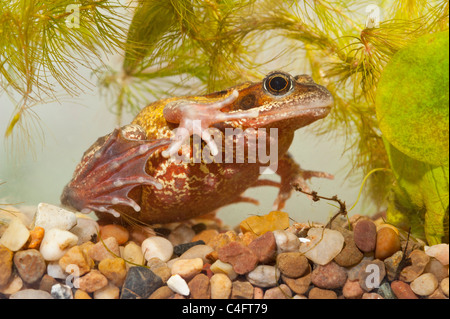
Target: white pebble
(54, 270)
(325, 244)
(440, 252)
(286, 241)
(15, 236)
(56, 242)
(85, 229)
(424, 285)
(31, 294)
(198, 251)
(50, 216)
(157, 247)
(60, 291)
(178, 285)
(108, 292)
(264, 276)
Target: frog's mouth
(292, 115)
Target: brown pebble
(108, 248)
(241, 290)
(402, 290)
(6, 263)
(371, 274)
(365, 235)
(298, 285)
(200, 287)
(350, 255)
(80, 294)
(92, 281)
(371, 295)
(30, 264)
(292, 264)
(258, 293)
(240, 256)
(163, 292)
(264, 247)
(280, 292)
(120, 233)
(47, 282)
(388, 243)
(317, 293)
(76, 256)
(419, 261)
(352, 290)
(114, 270)
(329, 276)
(206, 235)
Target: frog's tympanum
(136, 170)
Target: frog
(137, 172)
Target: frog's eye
(277, 83)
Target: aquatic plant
(176, 47)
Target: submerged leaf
(412, 99)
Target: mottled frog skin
(131, 172)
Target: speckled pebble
(365, 235)
(60, 291)
(392, 265)
(264, 247)
(240, 256)
(241, 290)
(200, 287)
(329, 276)
(424, 285)
(352, 290)
(264, 276)
(292, 264)
(385, 291)
(114, 270)
(318, 293)
(92, 281)
(30, 264)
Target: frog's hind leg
(110, 169)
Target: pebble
(157, 246)
(241, 257)
(275, 220)
(31, 294)
(36, 236)
(198, 251)
(178, 285)
(385, 291)
(371, 295)
(219, 241)
(280, 292)
(12, 286)
(183, 247)
(371, 274)
(350, 255)
(163, 292)
(298, 285)
(437, 268)
(329, 276)
(444, 286)
(292, 264)
(388, 243)
(80, 294)
(241, 290)
(220, 286)
(402, 290)
(76, 256)
(50, 216)
(159, 268)
(181, 234)
(54, 270)
(324, 245)
(187, 268)
(424, 285)
(92, 281)
(114, 270)
(264, 276)
(318, 293)
(419, 260)
(286, 241)
(60, 291)
(120, 233)
(30, 265)
(258, 293)
(365, 235)
(206, 235)
(47, 283)
(86, 229)
(132, 253)
(200, 287)
(110, 291)
(352, 290)
(225, 268)
(140, 283)
(108, 248)
(6, 264)
(15, 236)
(56, 243)
(392, 265)
(440, 252)
(264, 247)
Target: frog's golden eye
(277, 83)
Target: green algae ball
(412, 101)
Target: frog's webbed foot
(195, 117)
(113, 166)
(291, 174)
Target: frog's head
(283, 101)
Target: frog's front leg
(109, 169)
(290, 173)
(192, 115)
